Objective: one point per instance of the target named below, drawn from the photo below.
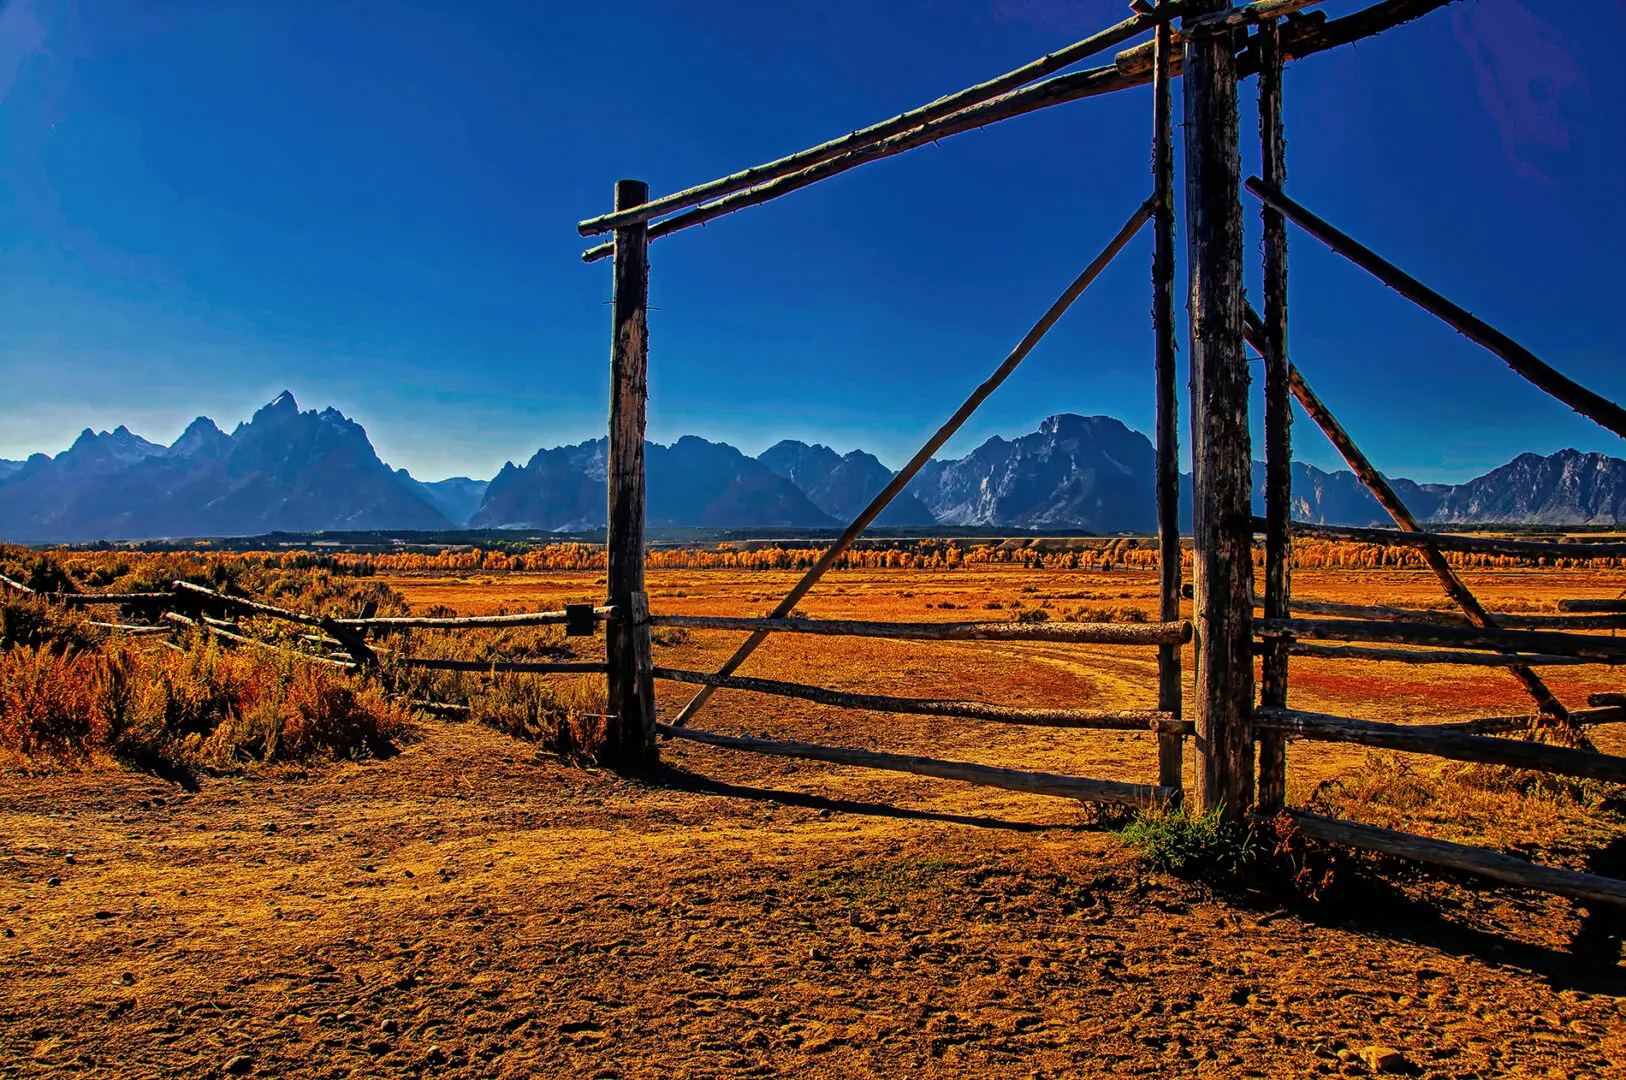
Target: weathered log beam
(1460, 637)
(1607, 700)
(353, 642)
(1487, 725)
(1478, 545)
(1594, 406)
(1038, 783)
(469, 622)
(1455, 745)
(1222, 482)
(1092, 82)
(1614, 606)
(1440, 656)
(132, 629)
(14, 584)
(531, 667)
(208, 627)
(875, 133)
(1122, 720)
(109, 598)
(1166, 54)
(1278, 417)
(1507, 620)
(630, 738)
(1140, 217)
(1169, 633)
(1484, 862)
(1242, 15)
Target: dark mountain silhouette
(691, 482)
(308, 471)
(283, 470)
(842, 486)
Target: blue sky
(373, 204)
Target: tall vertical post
(1170, 771)
(631, 736)
(1222, 533)
(1278, 417)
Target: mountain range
(305, 471)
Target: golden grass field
(472, 907)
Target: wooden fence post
(1278, 420)
(1169, 744)
(1222, 533)
(631, 736)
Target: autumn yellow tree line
(1127, 553)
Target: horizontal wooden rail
(1125, 720)
(1170, 633)
(1461, 637)
(15, 584)
(352, 642)
(1475, 860)
(1507, 620)
(109, 598)
(1488, 725)
(1440, 656)
(1597, 606)
(1454, 744)
(1297, 43)
(1038, 783)
(465, 622)
(133, 629)
(1606, 700)
(1479, 545)
(1592, 405)
(535, 667)
(240, 639)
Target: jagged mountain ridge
(282, 470)
(842, 485)
(691, 482)
(307, 471)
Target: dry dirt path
(468, 909)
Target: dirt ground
(469, 907)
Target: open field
(470, 907)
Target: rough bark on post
(630, 739)
(1278, 419)
(1170, 746)
(1222, 516)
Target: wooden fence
(1241, 729)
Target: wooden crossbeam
(1038, 783)
(875, 133)
(1455, 745)
(1462, 637)
(1479, 545)
(1120, 720)
(1170, 633)
(1484, 862)
(1298, 41)
(1592, 405)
